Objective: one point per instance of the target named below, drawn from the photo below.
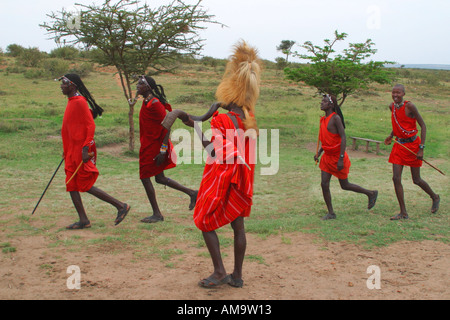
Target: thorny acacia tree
(343, 74)
(286, 48)
(133, 37)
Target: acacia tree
(133, 37)
(343, 74)
(286, 48)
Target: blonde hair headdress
(239, 87)
(241, 82)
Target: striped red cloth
(226, 190)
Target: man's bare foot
(435, 206)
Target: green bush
(14, 50)
(31, 57)
(35, 74)
(66, 53)
(55, 67)
(83, 69)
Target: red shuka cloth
(226, 190)
(77, 131)
(331, 145)
(152, 134)
(404, 127)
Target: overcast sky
(404, 31)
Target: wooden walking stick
(48, 185)
(317, 149)
(422, 159)
(91, 154)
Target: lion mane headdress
(238, 88)
(241, 82)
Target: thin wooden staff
(422, 159)
(48, 185)
(317, 149)
(91, 154)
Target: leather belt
(408, 140)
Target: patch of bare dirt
(289, 267)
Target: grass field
(31, 113)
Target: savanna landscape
(291, 253)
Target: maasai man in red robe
(80, 153)
(226, 191)
(335, 161)
(156, 154)
(404, 117)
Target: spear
(317, 149)
(422, 159)
(48, 185)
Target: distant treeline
(64, 59)
(34, 63)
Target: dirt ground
(295, 266)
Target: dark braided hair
(156, 89)
(95, 108)
(336, 107)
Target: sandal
(399, 217)
(211, 282)
(237, 283)
(372, 200)
(329, 216)
(152, 219)
(78, 225)
(121, 214)
(193, 200)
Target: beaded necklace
(397, 107)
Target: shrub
(66, 53)
(35, 73)
(14, 50)
(30, 57)
(55, 67)
(83, 69)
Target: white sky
(404, 31)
